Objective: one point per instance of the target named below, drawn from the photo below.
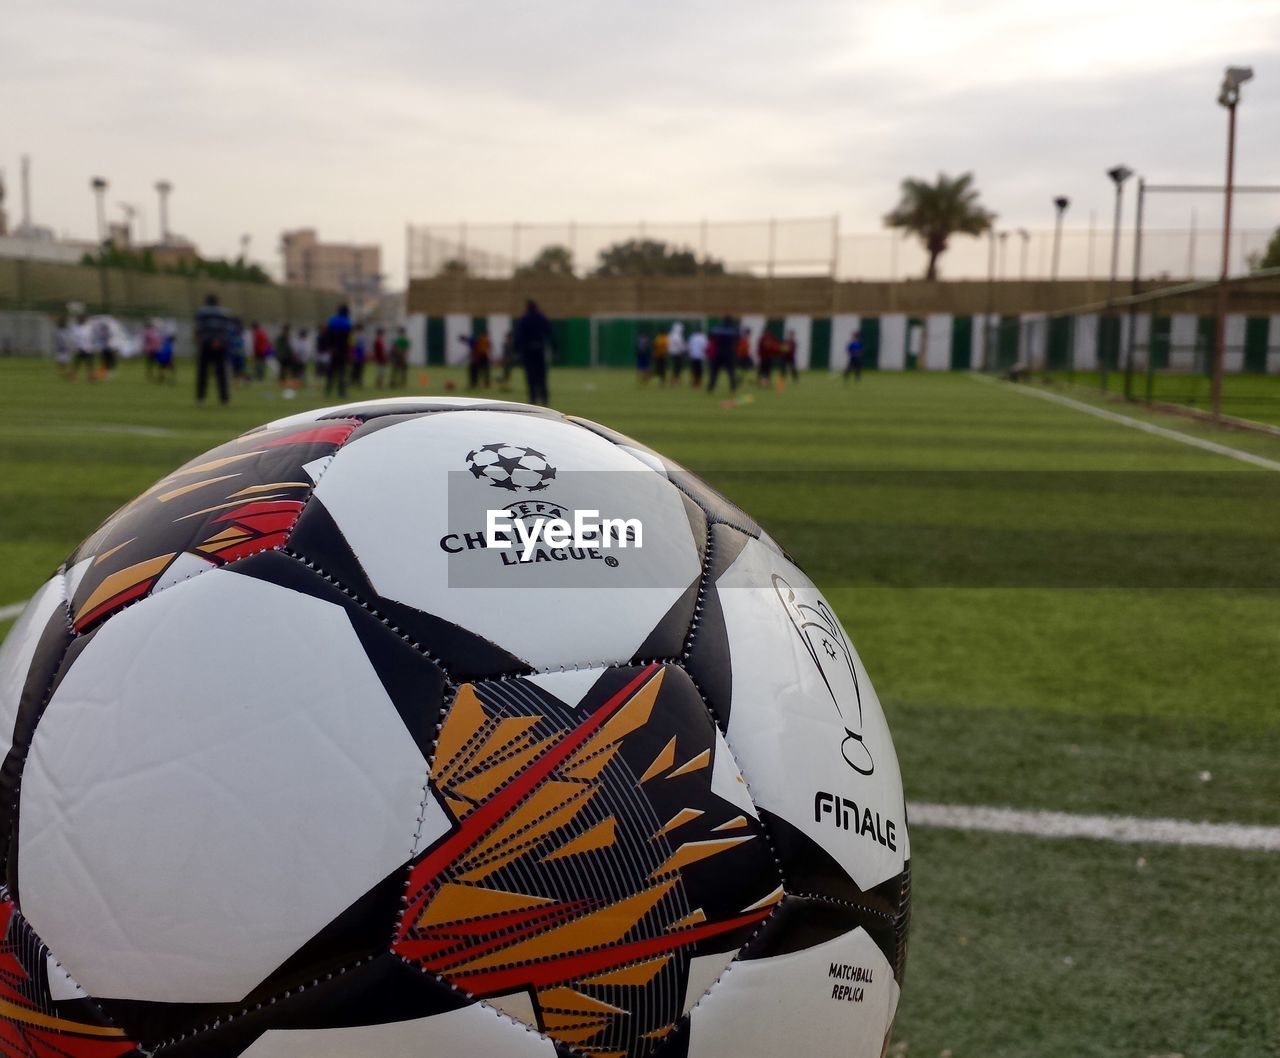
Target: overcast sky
(356, 118)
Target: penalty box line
(1139, 424)
(1128, 830)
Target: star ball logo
(511, 467)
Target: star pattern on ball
(511, 467)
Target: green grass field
(1057, 612)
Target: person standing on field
(478, 350)
(304, 349)
(151, 340)
(285, 356)
(164, 358)
(725, 338)
(677, 350)
(82, 336)
(400, 359)
(661, 349)
(359, 354)
(854, 349)
(380, 357)
(261, 350)
(697, 356)
(787, 357)
(766, 353)
(103, 345)
(644, 354)
(338, 345)
(534, 342)
(213, 341)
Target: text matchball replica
(301, 763)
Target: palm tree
(937, 211)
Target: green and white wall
(897, 341)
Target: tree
(554, 262)
(1268, 258)
(937, 211)
(239, 270)
(454, 266)
(637, 258)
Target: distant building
(39, 244)
(168, 253)
(345, 268)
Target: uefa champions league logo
(537, 529)
(824, 642)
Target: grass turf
(1245, 396)
(1057, 612)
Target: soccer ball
(302, 760)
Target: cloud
(358, 119)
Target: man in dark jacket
(724, 352)
(213, 339)
(534, 343)
(338, 341)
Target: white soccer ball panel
(391, 495)
(799, 1003)
(354, 407)
(805, 723)
(477, 1031)
(18, 649)
(219, 774)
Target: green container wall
(1257, 334)
(1060, 334)
(435, 339)
(573, 341)
(961, 343)
(870, 327)
(820, 344)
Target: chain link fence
(796, 246)
(816, 246)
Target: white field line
(1125, 829)
(7, 612)
(1139, 424)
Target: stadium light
(1025, 236)
(1228, 96)
(1060, 205)
(1235, 76)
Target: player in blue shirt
(854, 349)
(338, 343)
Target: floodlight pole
(1060, 205)
(988, 351)
(1135, 290)
(1228, 97)
(99, 186)
(1118, 174)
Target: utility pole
(1228, 97)
(163, 188)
